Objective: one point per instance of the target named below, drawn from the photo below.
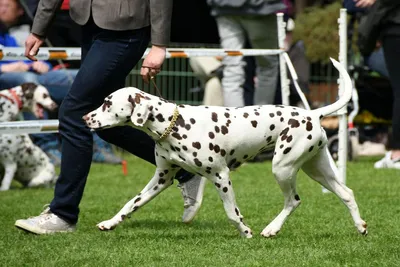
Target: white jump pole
(343, 142)
(285, 82)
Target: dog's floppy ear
(28, 90)
(140, 109)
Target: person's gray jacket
(245, 7)
(117, 15)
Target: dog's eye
(45, 95)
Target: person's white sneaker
(192, 193)
(388, 162)
(46, 223)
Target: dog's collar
(171, 125)
(14, 99)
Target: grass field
(319, 233)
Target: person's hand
(18, 66)
(153, 62)
(364, 3)
(32, 44)
(40, 67)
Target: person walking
(115, 35)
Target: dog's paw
(106, 225)
(362, 228)
(270, 231)
(247, 233)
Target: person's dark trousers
(391, 44)
(107, 58)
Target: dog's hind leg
(224, 187)
(322, 169)
(9, 171)
(285, 175)
(160, 181)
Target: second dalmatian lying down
(211, 141)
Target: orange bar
(1, 54)
(234, 53)
(178, 54)
(57, 54)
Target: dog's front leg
(9, 171)
(160, 181)
(224, 187)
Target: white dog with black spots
(20, 158)
(211, 141)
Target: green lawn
(319, 233)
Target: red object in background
(124, 167)
(65, 5)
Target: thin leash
(176, 111)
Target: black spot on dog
(197, 162)
(218, 185)
(294, 123)
(245, 114)
(285, 131)
(216, 148)
(237, 212)
(211, 146)
(185, 148)
(210, 159)
(155, 188)
(309, 126)
(281, 146)
(151, 108)
(224, 130)
(194, 154)
(160, 117)
(287, 150)
(272, 127)
(161, 174)
(257, 113)
(297, 197)
(211, 135)
(177, 136)
(214, 117)
(225, 189)
(182, 158)
(269, 138)
(309, 137)
(223, 152)
(245, 156)
(180, 121)
(184, 136)
(187, 127)
(320, 117)
(137, 200)
(308, 118)
(320, 143)
(161, 181)
(289, 139)
(271, 115)
(166, 171)
(192, 121)
(232, 152)
(254, 123)
(216, 129)
(311, 148)
(173, 149)
(226, 115)
(278, 113)
(294, 114)
(303, 121)
(282, 119)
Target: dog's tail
(345, 98)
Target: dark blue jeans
(107, 58)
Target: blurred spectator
(255, 20)
(58, 82)
(383, 23)
(13, 17)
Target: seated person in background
(58, 82)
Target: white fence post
(285, 91)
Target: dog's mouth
(39, 111)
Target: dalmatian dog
(211, 141)
(19, 156)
